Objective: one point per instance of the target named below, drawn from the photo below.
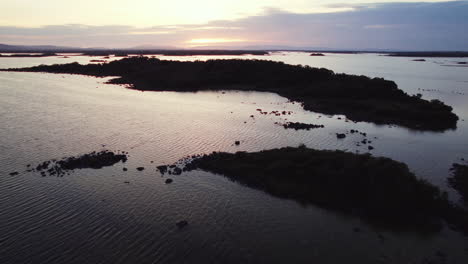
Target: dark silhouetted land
(380, 190)
(360, 98)
(301, 126)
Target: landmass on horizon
(217, 50)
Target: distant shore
(28, 55)
(126, 52)
(223, 52)
(431, 54)
(360, 98)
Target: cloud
(409, 26)
(350, 6)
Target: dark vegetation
(93, 160)
(434, 54)
(380, 190)
(459, 180)
(360, 98)
(299, 126)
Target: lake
(115, 216)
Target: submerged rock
(168, 181)
(140, 168)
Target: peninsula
(360, 98)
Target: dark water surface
(112, 216)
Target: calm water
(93, 216)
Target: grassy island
(360, 98)
(380, 190)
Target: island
(360, 98)
(383, 192)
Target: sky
(334, 24)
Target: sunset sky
(340, 24)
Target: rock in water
(182, 224)
(340, 135)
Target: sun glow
(213, 40)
